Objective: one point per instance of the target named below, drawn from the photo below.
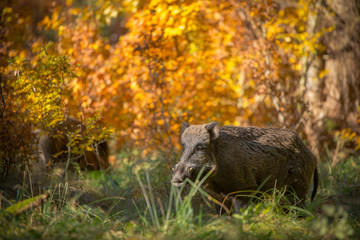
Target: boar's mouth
(177, 183)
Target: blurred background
(144, 67)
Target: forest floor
(135, 200)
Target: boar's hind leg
(297, 187)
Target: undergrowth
(135, 200)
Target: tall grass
(137, 201)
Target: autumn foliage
(147, 66)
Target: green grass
(136, 201)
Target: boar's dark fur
(245, 158)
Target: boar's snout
(181, 172)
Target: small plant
(179, 214)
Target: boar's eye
(200, 147)
(183, 145)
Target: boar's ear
(184, 126)
(213, 129)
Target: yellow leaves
(292, 60)
(88, 148)
(139, 96)
(179, 60)
(288, 39)
(53, 22)
(174, 19)
(160, 122)
(108, 13)
(39, 86)
(171, 32)
(7, 10)
(251, 83)
(348, 135)
(74, 11)
(175, 10)
(7, 14)
(69, 2)
(95, 46)
(323, 73)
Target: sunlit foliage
(150, 65)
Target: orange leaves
(348, 135)
(175, 68)
(54, 21)
(169, 61)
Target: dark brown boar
(55, 141)
(245, 158)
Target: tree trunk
(333, 100)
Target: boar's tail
(316, 183)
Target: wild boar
(55, 141)
(245, 158)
